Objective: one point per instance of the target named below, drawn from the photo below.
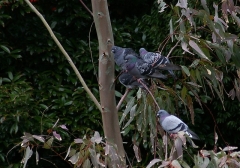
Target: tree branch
(122, 98)
(86, 7)
(66, 55)
(140, 81)
(172, 49)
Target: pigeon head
(162, 113)
(117, 50)
(142, 51)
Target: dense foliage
(38, 87)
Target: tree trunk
(106, 79)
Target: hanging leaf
(178, 146)
(28, 154)
(5, 49)
(127, 110)
(132, 113)
(137, 153)
(153, 162)
(171, 29)
(63, 127)
(57, 136)
(215, 137)
(190, 107)
(86, 164)
(68, 151)
(198, 49)
(48, 144)
(37, 157)
(40, 138)
(185, 47)
(74, 158)
(185, 70)
(232, 94)
(229, 148)
(162, 6)
(96, 138)
(195, 63)
(175, 164)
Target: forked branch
(66, 55)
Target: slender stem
(140, 81)
(172, 49)
(166, 147)
(66, 55)
(86, 7)
(122, 98)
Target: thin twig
(122, 98)
(140, 81)
(166, 147)
(49, 162)
(172, 49)
(66, 55)
(89, 44)
(86, 7)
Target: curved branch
(66, 55)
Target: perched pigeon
(120, 53)
(173, 125)
(140, 69)
(130, 82)
(158, 61)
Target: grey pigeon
(120, 53)
(158, 61)
(131, 82)
(173, 124)
(140, 69)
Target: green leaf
(53, 24)
(6, 80)
(118, 94)
(198, 49)
(68, 103)
(171, 29)
(48, 144)
(128, 108)
(185, 70)
(144, 37)
(132, 113)
(10, 75)
(5, 49)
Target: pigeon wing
(172, 124)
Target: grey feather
(158, 61)
(140, 69)
(173, 124)
(131, 82)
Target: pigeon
(173, 124)
(140, 69)
(131, 82)
(158, 61)
(120, 53)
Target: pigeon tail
(192, 134)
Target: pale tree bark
(106, 76)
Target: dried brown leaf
(222, 161)
(232, 94)
(178, 145)
(153, 162)
(137, 153)
(190, 107)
